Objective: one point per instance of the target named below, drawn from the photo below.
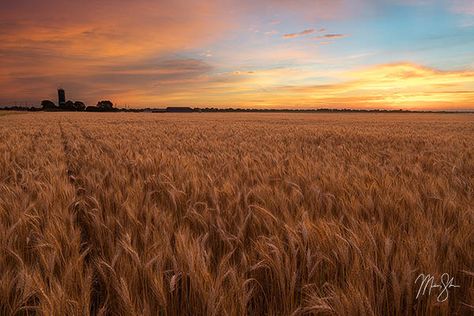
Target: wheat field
(235, 214)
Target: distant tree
(48, 105)
(79, 106)
(68, 105)
(91, 108)
(105, 105)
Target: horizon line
(193, 109)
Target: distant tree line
(102, 106)
(108, 106)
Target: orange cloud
(401, 85)
(302, 33)
(46, 44)
(110, 29)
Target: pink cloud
(463, 6)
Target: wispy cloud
(333, 36)
(299, 34)
(270, 33)
(328, 38)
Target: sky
(364, 54)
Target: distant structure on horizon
(61, 97)
(180, 109)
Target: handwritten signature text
(428, 283)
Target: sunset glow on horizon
(255, 54)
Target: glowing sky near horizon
(229, 53)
